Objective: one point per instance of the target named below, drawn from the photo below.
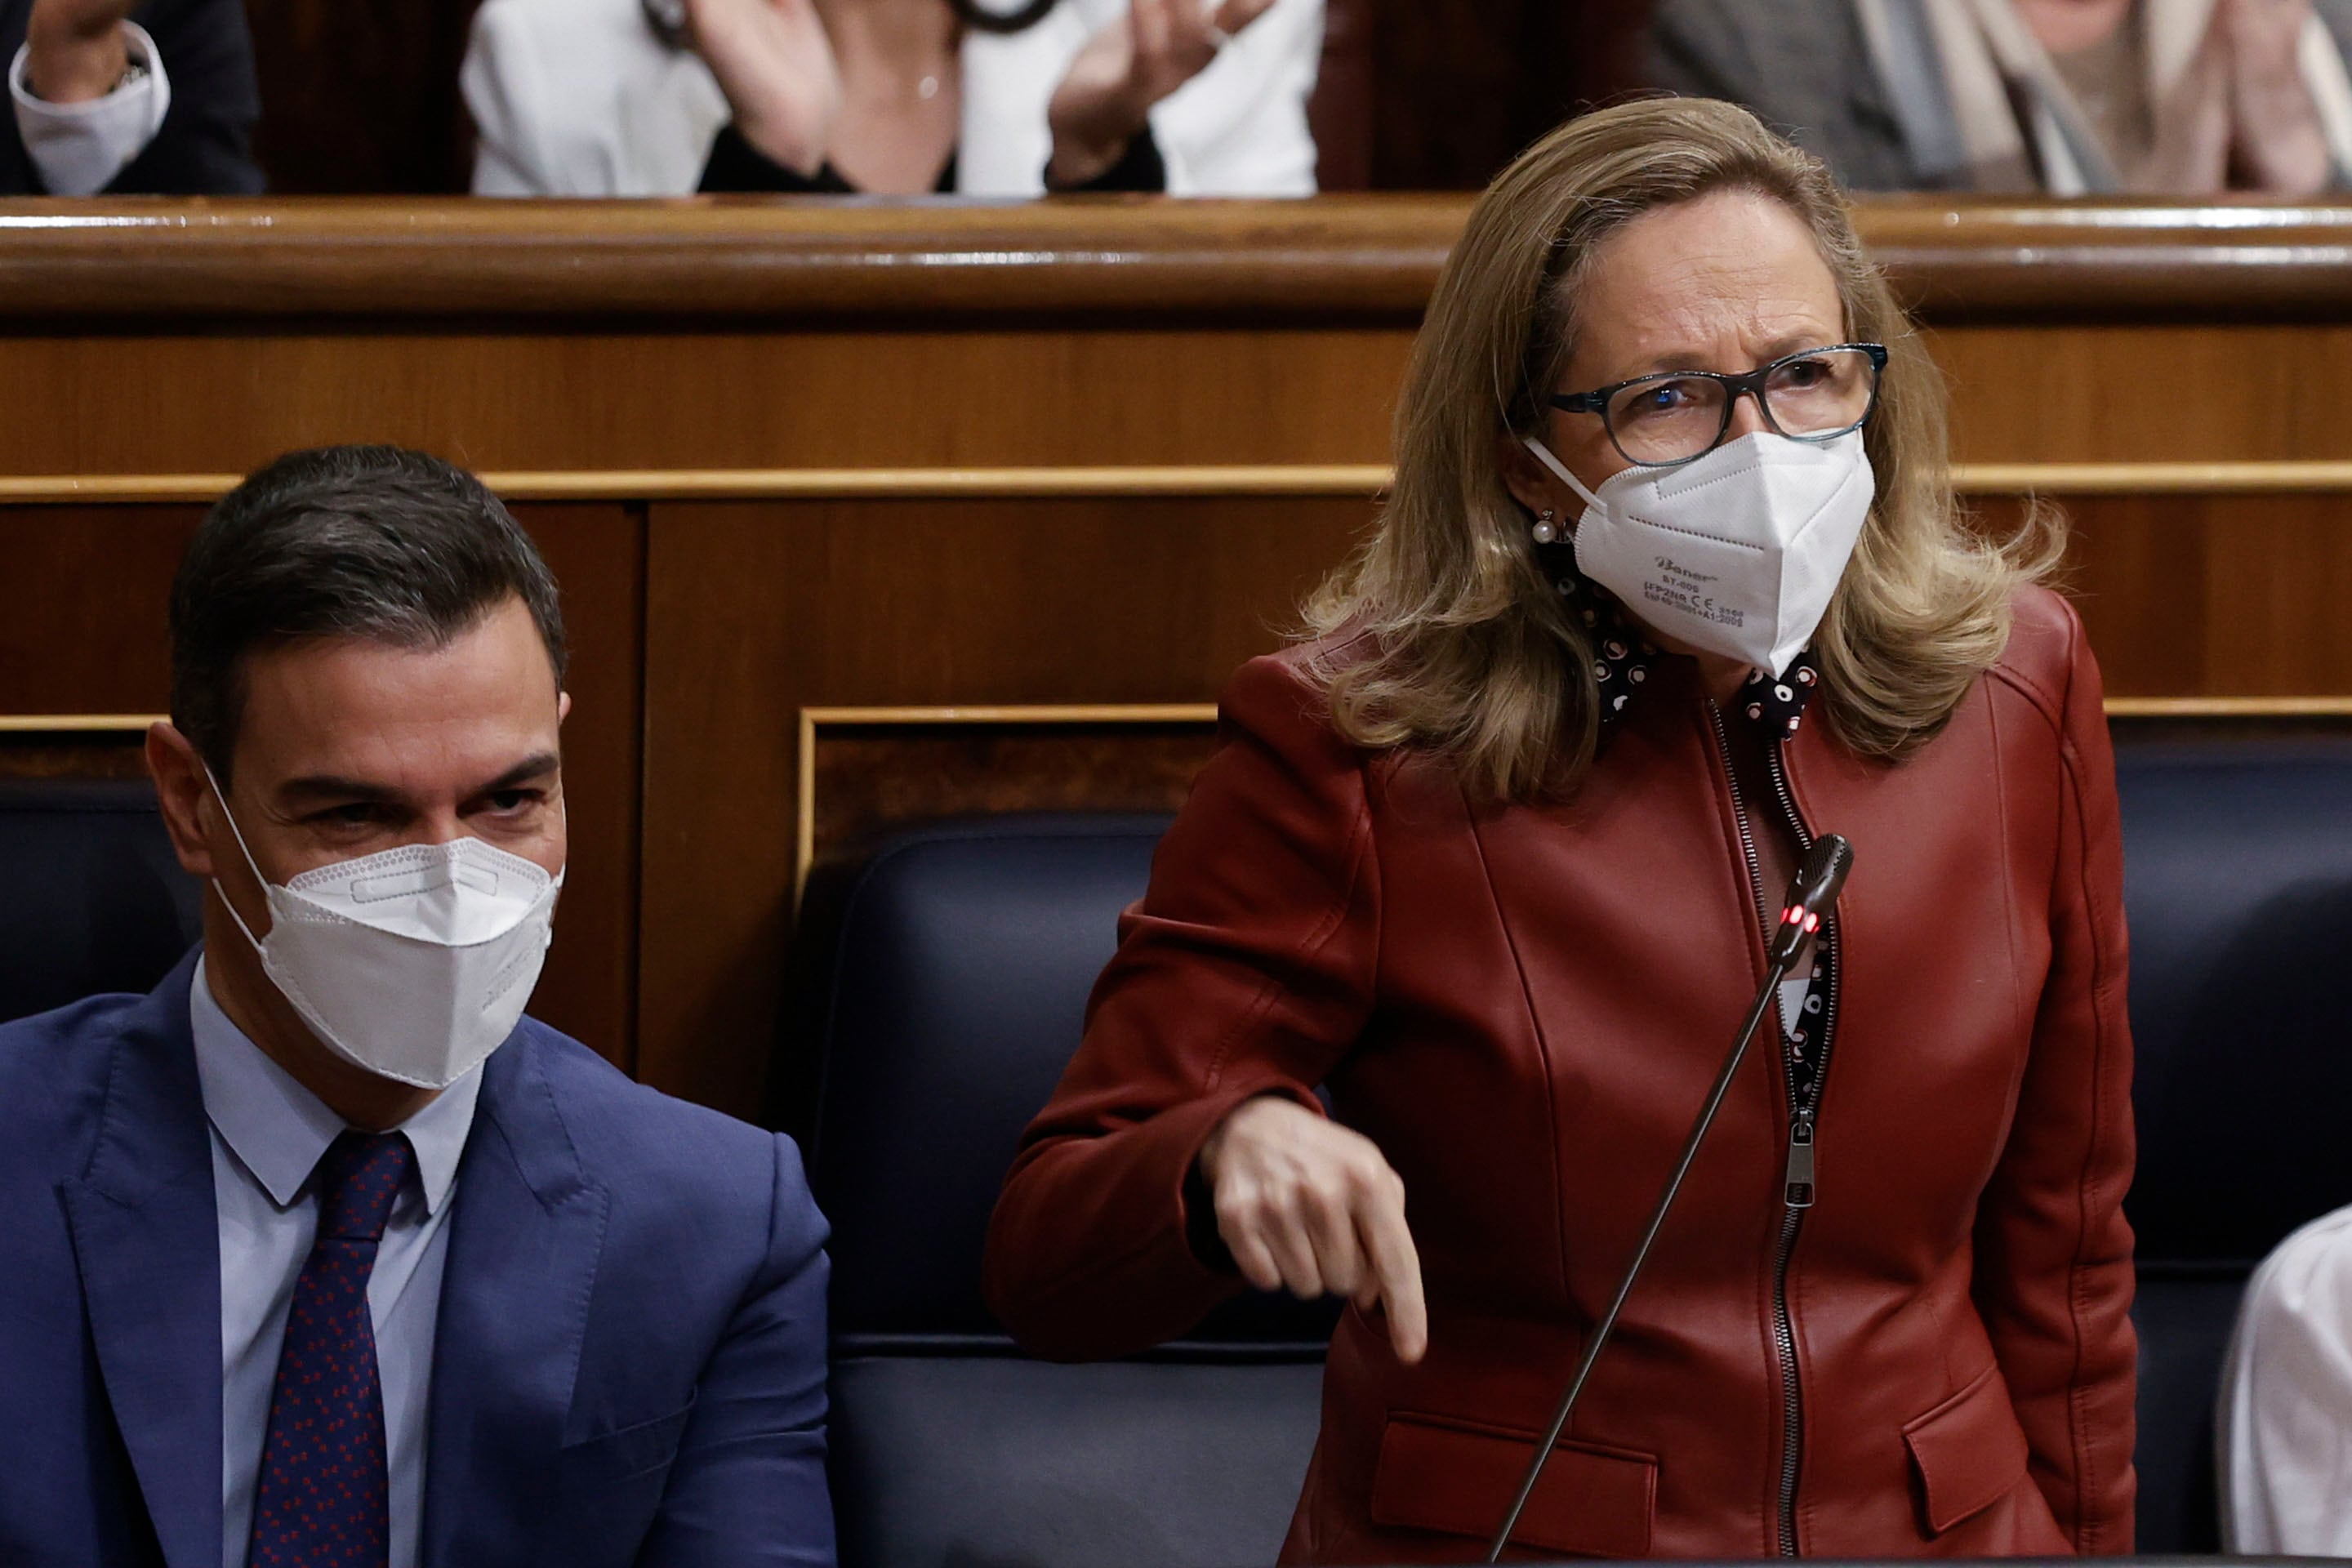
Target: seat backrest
(963, 958)
(2238, 887)
(90, 898)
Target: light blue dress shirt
(267, 1133)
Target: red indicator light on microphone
(1812, 922)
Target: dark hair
(341, 542)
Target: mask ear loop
(1543, 455)
(259, 880)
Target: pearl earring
(1546, 533)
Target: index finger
(1388, 1242)
(1188, 22)
(1153, 25)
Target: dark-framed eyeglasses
(1677, 416)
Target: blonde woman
(1670, 580)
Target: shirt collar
(278, 1129)
(1622, 657)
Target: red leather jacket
(1523, 1006)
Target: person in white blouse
(2286, 1423)
(638, 98)
(119, 95)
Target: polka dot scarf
(1622, 657)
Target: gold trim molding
(2230, 708)
(78, 724)
(2150, 479)
(1364, 479)
(1309, 480)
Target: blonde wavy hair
(1442, 633)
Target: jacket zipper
(1797, 1190)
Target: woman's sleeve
(2053, 1252)
(1245, 969)
(498, 83)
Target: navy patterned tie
(323, 1497)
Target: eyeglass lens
(1674, 417)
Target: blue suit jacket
(629, 1366)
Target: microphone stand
(1817, 883)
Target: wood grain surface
(126, 259)
(757, 610)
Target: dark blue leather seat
(91, 896)
(2238, 883)
(965, 955)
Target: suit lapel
(524, 1242)
(146, 1240)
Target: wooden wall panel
(2149, 393)
(2211, 595)
(589, 989)
(741, 613)
(101, 581)
(850, 399)
(684, 401)
(2136, 572)
(756, 610)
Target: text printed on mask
(1684, 590)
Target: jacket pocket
(1459, 1479)
(625, 1452)
(1969, 1452)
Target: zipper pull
(1799, 1194)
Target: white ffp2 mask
(413, 963)
(1736, 553)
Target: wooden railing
(139, 262)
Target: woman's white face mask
(413, 963)
(1736, 553)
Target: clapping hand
(775, 64)
(1125, 68)
(76, 50)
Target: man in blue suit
(321, 1252)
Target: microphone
(1821, 873)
